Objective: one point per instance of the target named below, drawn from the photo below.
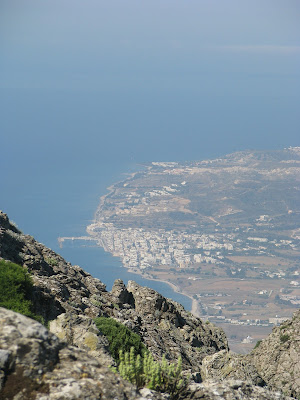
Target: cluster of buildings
(253, 322)
(145, 249)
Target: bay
(55, 204)
(61, 149)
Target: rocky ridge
(277, 358)
(60, 288)
(35, 364)
(76, 365)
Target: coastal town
(143, 249)
(225, 232)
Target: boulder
(277, 358)
(227, 365)
(35, 364)
(233, 390)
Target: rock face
(275, 363)
(73, 363)
(35, 364)
(233, 390)
(60, 288)
(225, 365)
(167, 328)
(277, 358)
(82, 332)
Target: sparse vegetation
(119, 337)
(51, 261)
(257, 344)
(15, 289)
(160, 376)
(284, 338)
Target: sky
(158, 77)
(85, 85)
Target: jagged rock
(167, 328)
(277, 358)
(227, 365)
(120, 292)
(81, 331)
(59, 287)
(233, 390)
(35, 364)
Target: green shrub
(160, 376)
(257, 344)
(119, 337)
(15, 289)
(284, 338)
(51, 261)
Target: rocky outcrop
(60, 288)
(275, 363)
(233, 390)
(73, 363)
(82, 332)
(35, 364)
(226, 365)
(277, 358)
(167, 328)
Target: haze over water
(90, 89)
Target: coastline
(110, 190)
(130, 176)
(175, 288)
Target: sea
(66, 211)
(61, 149)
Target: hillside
(75, 363)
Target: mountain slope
(60, 288)
(36, 364)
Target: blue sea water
(57, 206)
(61, 149)
(103, 266)
(94, 259)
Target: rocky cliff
(277, 358)
(60, 288)
(73, 360)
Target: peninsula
(225, 232)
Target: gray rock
(81, 331)
(121, 294)
(60, 288)
(44, 368)
(233, 390)
(277, 358)
(167, 328)
(227, 365)
(34, 363)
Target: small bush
(257, 344)
(51, 261)
(284, 338)
(15, 289)
(283, 326)
(160, 376)
(119, 337)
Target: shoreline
(110, 190)
(175, 288)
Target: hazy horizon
(88, 88)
